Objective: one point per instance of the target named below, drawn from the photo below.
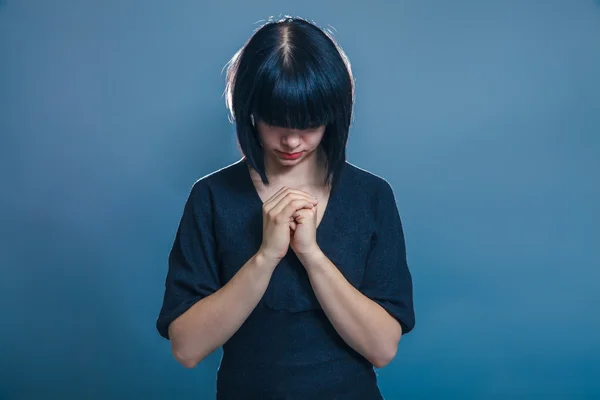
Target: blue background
(483, 115)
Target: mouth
(289, 156)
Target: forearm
(209, 323)
(366, 326)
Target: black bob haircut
(291, 74)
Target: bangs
(291, 74)
(294, 98)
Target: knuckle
(301, 203)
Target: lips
(290, 156)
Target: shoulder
(370, 194)
(367, 182)
(218, 182)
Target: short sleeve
(387, 279)
(192, 263)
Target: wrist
(263, 258)
(311, 256)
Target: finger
(285, 197)
(270, 202)
(284, 210)
(287, 190)
(299, 215)
(293, 190)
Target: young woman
(291, 259)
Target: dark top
(287, 348)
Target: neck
(310, 172)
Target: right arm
(209, 323)
(198, 314)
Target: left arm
(372, 318)
(366, 326)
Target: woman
(291, 259)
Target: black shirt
(287, 348)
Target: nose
(291, 140)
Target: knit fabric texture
(287, 348)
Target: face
(289, 146)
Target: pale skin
(366, 326)
(290, 219)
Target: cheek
(317, 141)
(314, 138)
(269, 141)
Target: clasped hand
(303, 236)
(289, 220)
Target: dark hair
(292, 74)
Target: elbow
(184, 356)
(185, 359)
(384, 359)
(181, 352)
(387, 354)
